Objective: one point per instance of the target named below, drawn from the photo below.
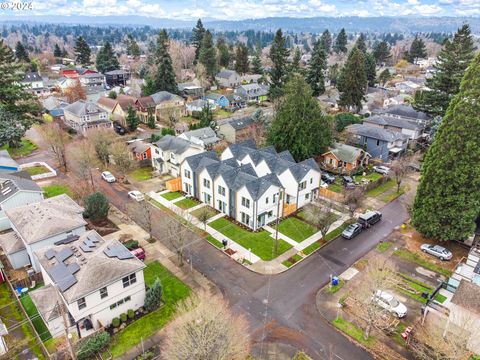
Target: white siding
(290, 185)
(306, 195)
(268, 207)
(243, 192)
(187, 183)
(222, 198)
(205, 191)
(19, 259)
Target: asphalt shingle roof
(376, 133)
(467, 296)
(345, 152)
(81, 108)
(173, 144)
(393, 121)
(162, 96)
(405, 111)
(225, 74)
(15, 181)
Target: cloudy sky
(247, 9)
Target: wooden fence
(174, 184)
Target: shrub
(130, 314)
(131, 244)
(342, 120)
(168, 131)
(72, 131)
(115, 322)
(123, 317)
(92, 345)
(153, 297)
(96, 206)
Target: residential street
(281, 308)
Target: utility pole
(277, 220)
(61, 305)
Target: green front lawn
(207, 209)
(36, 170)
(332, 289)
(187, 203)
(296, 229)
(214, 241)
(37, 321)
(25, 148)
(172, 195)
(336, 187)
(261, 243)
(387, 185)
(414, 288)
(330, 236)
(174, 290)
(384, 246)
(141, 174)
(221, 113)
(372, 177)
(54, 190)
(417, 259)
(393, 195)
(353, 331)
(296, 258)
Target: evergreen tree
(21, 53)
(153, 296)
(198, 33)
(381, 52)
(131, 119)
(384, 77)
(316, 69)
(257, 67)
(417, 50)
(447, 201)
(352, 81)
(164, 76)
(279, 71)
(370, 69)
(299, 124)
(326, 40)
(361, 43)
(223, 53)
(451, 64)
(208, 56)
(83, 51)
(132, 46)
(341, 42)
(151, 120)
(64, 53)
(107, 59)
(241, 59)
(295, 65)
(149, 87)
(333, 74)
(96, 206)
(57, 52)
(16, 105)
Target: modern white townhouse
(97, 280)
(251, 185)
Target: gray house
(205, 137)
(412, 128)
(253, 92)
(228, 79)
(84, 115)
(380, 143)
(233, 130)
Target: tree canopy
(107, 59)
(316, 69)
(417, 50)
(326, 40)
(241, 59)
(198, 33)
(299, 124)
(83, 51)
(208, 55)
(278, 55)
(352, 81)
(448, 201)
(164, 79)
(341, 42)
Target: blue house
(380, 143)
(7, 163)
(218, 99)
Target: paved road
(281, 308)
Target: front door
(261, 220)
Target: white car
(381, 170)
(438, 251)
(108, 177)
(136, 195)
(390, 303)
(323, 184)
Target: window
(120, 302)
(129, 280)
(221, 190)
(128, 298)
(311, 180)
(307, 196)
(187, 173)
(144, 156)
(113, 306)
(378, 142)
(246, 202)
(81, 304)
(103, 292)
(266, 200)
(302, 185)
(206, 183)
(245, 218)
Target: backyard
(141, 174)
(296, 229)
(54, 190)
(173, 289)
(37, 321)
(187, 203)
(172, 195)
(36, 170)
(26, 148)
(261, 243)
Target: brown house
(120, 111)
(345, 159)
(145, 106)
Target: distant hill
(314, 24)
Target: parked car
(348, 182)
(438, 251)
(369, 218)
(381, 169)
(328, 178)
(108, 177)
(119, 129)
(352, 230)
(390, 303)
(136, 195)
(139, 253)
(323, 184)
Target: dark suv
(352, 230)
(119, 129)
(369, 218)
(328, 178)
(348, 182)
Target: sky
(248, 9)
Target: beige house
(168, 105)
(83, 116)
(120, 110)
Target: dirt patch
(230, 252)
(103, 227)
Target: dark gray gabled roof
(376, 133)
(206, 135)
(225, 74)
(398, 122)
(81, 108)
(404, 110)
(241, 123)
(286, 155)
(161, 96)
(257, 187)
(12, 183)
(196, 160)
(173, 144)
(32, 76)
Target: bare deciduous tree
(177, 234)
(207, 329)
(101, 140)
(143, 215)
(57, 140)
(122, 159)
(399, 170)
(321, 215)
(352, 198)
(75, 92)
(203, 216)
(82, 161)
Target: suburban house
(218, 100)
(97, 280)
(145, 106)
(380, 143)
(228, 79)
(141, 150)
(117, 78)
(235, 101)
(120, 111)
(198, 105)
(107, 104)
(39, 225)
(54, 107)
(83, 116)
(253, 92)
(247, 183)
(76, 73)
(16, 189)
(168, 105)
(190, 90)
(411, 128)
(344, 159)
(169, 152)
(92, 79)
(405, 111)
(64, 83)
(7, 163)
(235, 129)
(33, 83)
(205, 137)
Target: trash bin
(334, 281)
